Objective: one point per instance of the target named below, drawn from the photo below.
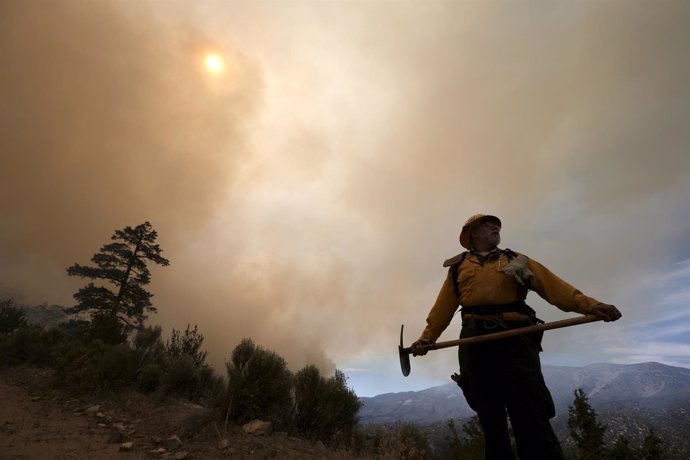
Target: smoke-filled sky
(308, 192)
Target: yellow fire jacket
(497, 282)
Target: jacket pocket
(465, 275)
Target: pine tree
(652, 447)
(470, 444)
(122, 264)
(584, 428)
(621, 450)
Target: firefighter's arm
(439, 316)
(559, 293)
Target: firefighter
(502, 379)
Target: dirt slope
(37, 422)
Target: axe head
(404, 355)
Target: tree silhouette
(653, 447)
(584, 428)
(123, 265)
(621, 449)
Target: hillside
(39, 422)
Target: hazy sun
(214, 63)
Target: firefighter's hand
(606, 312)
(418, 348)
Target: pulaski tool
(405, 352)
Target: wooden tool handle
(510, 333)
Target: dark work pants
(503, 377)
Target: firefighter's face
(486, 234)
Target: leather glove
(418, 348)
(606, 312)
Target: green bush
(11, 317)
(95, 356)
(96, 367)
(150, 353)
(259, 385)
(469, 444)
(148, 342)
(149, 347)
(117, 367)
(309, 391)
(324, 407)
(102, 326)
(358, 442)
(32, 345)
(214, 388)
(181, 378)
(149, 377)
(107, 328)
(173, 375)
(402, 441)
(188, 343)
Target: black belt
(486, 326)
(496, 310)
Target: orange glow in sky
(214, 63)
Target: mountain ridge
(629, 398)
(606, 385)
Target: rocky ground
(39, 422)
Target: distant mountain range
(630, 399)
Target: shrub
(189, 344)
(102, 326)
(11, 317)
(402, 441)
(149, 347)
(211, 387)
(149, 377)
(309, 390)
(148, 342)
(183, 379)
(359, 441)
(96, 367)
(76, 328)
(31, 344)
(470, 444)
(107, 328)
(177, 375)
(653, 447)
(259, 385)
(323, 406)
(150, 353)
(180, 377)
(116, 368)
(94, 356)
